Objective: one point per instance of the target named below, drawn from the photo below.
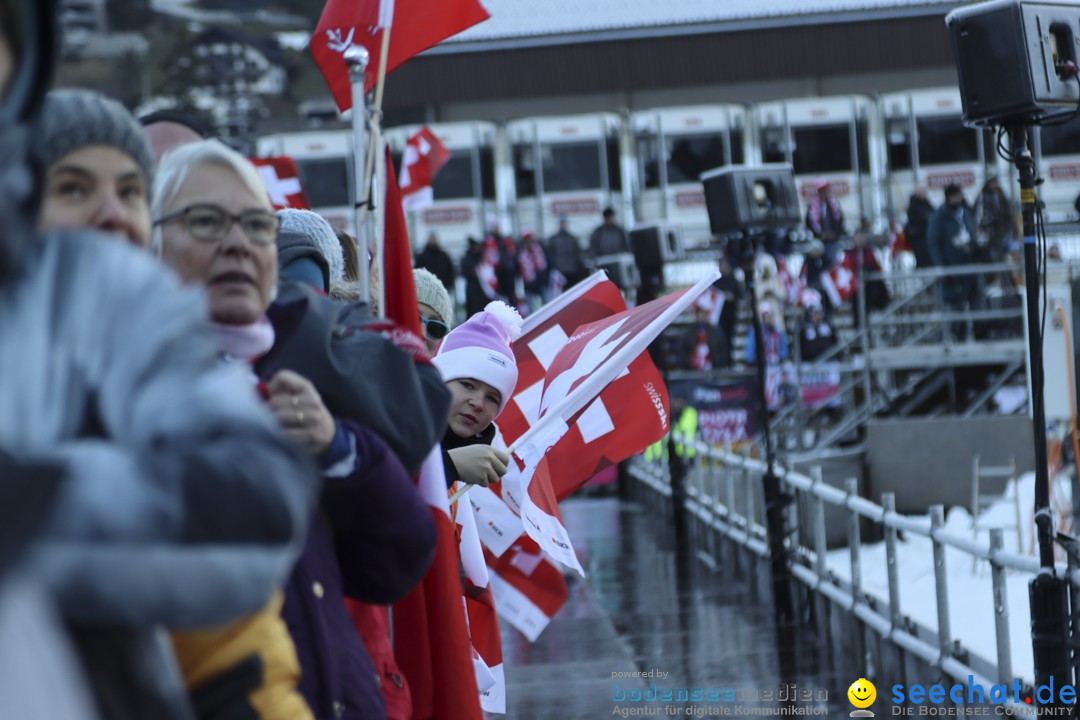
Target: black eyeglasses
(435, 329)
(211, 223)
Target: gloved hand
(479, 464)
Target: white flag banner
(496, 524)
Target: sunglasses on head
(435, 329)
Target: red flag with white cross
(574, 433)
(414, 26)
(282, 181)
(424, 156)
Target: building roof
(518, 19)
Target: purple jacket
(372, 539)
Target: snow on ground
(971, 608)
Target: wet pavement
(646, 607)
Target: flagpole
(357, 58)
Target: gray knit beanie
(431, 292)
(314, 226)
(74, 119)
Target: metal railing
(723, 491)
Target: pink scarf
(245, 343)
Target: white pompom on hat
(479, 348)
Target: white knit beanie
(314, 226)
(431, 292)
(479, 348)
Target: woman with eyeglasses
(371, 536)
(436, 312)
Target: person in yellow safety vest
(686, 426)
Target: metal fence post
(937, 521)
(851, 485)
(896, 619)
(820, 545)
(1001, 608)
(820, 548)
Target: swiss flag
(839, 284)
(424, 156)
(574, 434)
(417, 25)
(529, 589)
(282, 181)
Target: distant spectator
(816, 335)
(769, 288)
(814, 268)
(609, 239)
(435, 259)
(995, 222)
(731, 291)
(918, 220)
(951, 233)
(952, 236)
(500, 254)
(861, 258)
(479, 285)
(564, 254)
(825, 218)
(533, 266)
(776, 349)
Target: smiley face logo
(862, 693)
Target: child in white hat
(478, 366)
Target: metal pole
(1001, 608)
(357, 59)
(937, 522)
(1048, 593)
(1026, 166)
(864, 317)
(776, 500)
(851, 486)
(896, 619)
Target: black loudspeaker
(1016, 60)
(740, 198)
(654, 244)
